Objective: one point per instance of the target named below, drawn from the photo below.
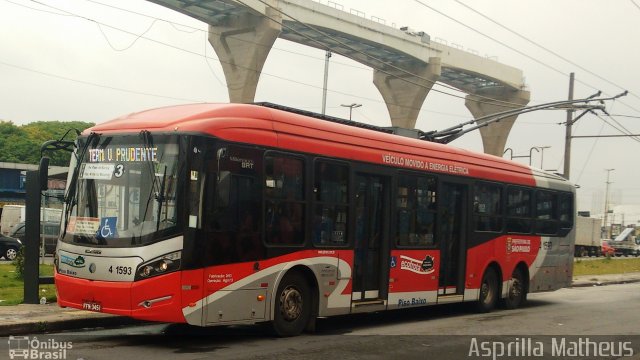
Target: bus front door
(452, 221)
(370, 275)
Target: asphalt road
(606, 314)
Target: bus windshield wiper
(160, 198)
(147, 140)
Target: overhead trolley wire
(522, 53)
(551, 52)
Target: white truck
(627, 243)
(14, 214)
(588, 242)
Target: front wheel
(488, 292)
(293, 305)
(517, 293)
(11, 253)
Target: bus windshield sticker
(97, 171)
(83, 225)
(107, 228)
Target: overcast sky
(80, 60)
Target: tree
(21, 144)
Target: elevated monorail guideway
(243, 31)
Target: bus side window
(416, 211)
(519, 211)
(284, 200)
(546, 212)
(487, 207)
(565, 209)
(331, 182)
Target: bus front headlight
(161, 265)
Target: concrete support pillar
(242, 43)
(404, 98)
(494, 136)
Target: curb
(604, 283)
(40, 327)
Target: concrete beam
(404, 94)
(242, 43)
(494, 136)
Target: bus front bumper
(154, 299)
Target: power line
(504, 44)
(95, 84)
(68, 13)
(546, 49)
(593, 146)
(624, 132)
(195, 29)
(491, 38)
(128, 46)
(635, 4)
(626, 116)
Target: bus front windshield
(124, 193)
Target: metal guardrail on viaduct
(406, 63)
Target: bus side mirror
(43, 173)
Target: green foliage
(12, 289)
(21, 144)
(18, 262)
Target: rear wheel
(517, 293)
(488, 291)
(293, 305)
(584, 253)
(11, 253)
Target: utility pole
(326, 78)
(567, 138)
(606, 203)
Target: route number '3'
(119, 170)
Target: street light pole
(326, 78)
(606, 203)
(351, 107)
(542, 155)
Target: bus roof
(270, 127)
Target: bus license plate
(92, 306)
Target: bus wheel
(293, 305)
(517, 293)
(488, 291)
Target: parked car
(9, 247)
(49, 231)
(607, 250)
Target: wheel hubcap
(290, 304)
(516, 289)
(11, 254)
(485, 292)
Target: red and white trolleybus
(222, 214)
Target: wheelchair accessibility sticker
(107, 228)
